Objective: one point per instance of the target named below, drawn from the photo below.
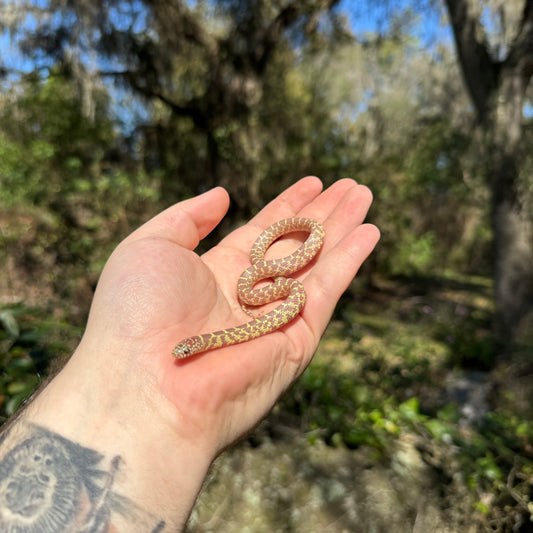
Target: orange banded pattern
(282, 287)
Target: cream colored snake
(282, 287)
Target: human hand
(155, 291)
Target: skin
(123, 395)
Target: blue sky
(364, 18)
(371, 17)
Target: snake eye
(181, 351)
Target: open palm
(155, 291)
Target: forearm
(85, 452)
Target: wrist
(123, 440)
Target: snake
(282, 287)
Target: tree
(497, 78)
(204, 70)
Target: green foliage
(431, 218)
(49, 148)
(434, 164)
(382, 110)
(69, 188)
(322, 104)
(29, 341)
(379, 378)
(416, 254)
(360, 401)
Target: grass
(415, 356)
(388, 370)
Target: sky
(364, 18)
(372, 17)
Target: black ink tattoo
(49, 484)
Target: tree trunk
(513, 278)
(497, 89)
(512, 219)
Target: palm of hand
(160, 292)
(155, 291)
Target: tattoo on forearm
(49, 484)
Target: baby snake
(282, 287)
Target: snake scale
(281, 287)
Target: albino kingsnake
(282, 287)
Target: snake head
(187, 347)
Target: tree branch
(521, 52)
(480, 71)
(179, 23)
(192, 109)
(286, 16)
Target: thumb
(187, 222)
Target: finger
(349, 212)
(341, 208)
(317, 207)
(289, 202)
(331, 201)
(187, 222)
(334, 272)
(286, 205)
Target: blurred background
(415, 414)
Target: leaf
(15, 401)
(10, 324)
(18, 387)
(438, 429)
(410, 409)
(20, 367)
